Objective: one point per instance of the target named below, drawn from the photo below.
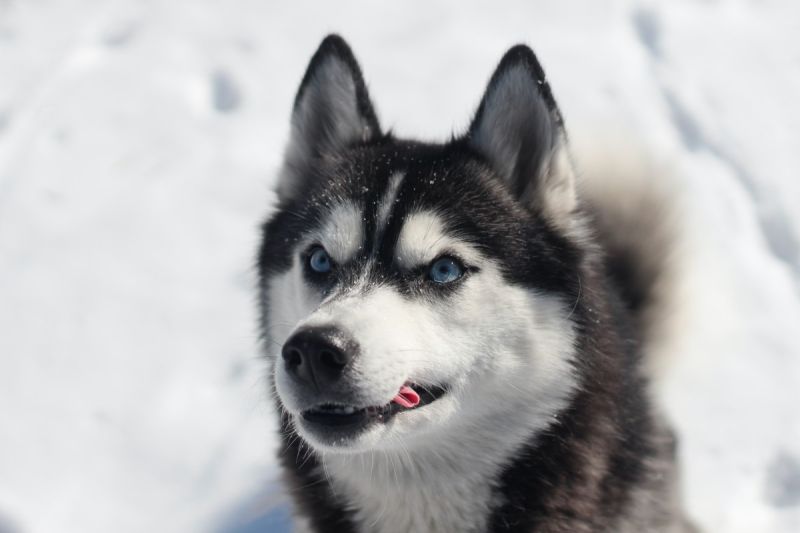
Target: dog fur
(545, 423)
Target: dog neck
(443, 489)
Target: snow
(138, 141)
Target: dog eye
(320, 261)
(445, 270)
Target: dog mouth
(344, 417)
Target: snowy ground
(138, 141)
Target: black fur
(308, 487)
(450, 178)
(580, 475)
(334, 46)
(331, 112)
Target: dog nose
(318, 356)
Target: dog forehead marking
(389, 198)
(342, 232)
(385, 207)
(421, 238)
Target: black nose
(318, 356)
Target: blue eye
(445, 270)
(320, 261)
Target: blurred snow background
(138, 141)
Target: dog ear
(332, 111)
(519, 130)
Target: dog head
(410, 291)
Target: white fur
(424, 237)
(389, 199)
(430, 470)
(505, 351)
(558, 188)
(342, 234)
(289, 300)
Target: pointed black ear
(332, 110)
(519, 129)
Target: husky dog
(454, 334)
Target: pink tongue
(407, 397)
